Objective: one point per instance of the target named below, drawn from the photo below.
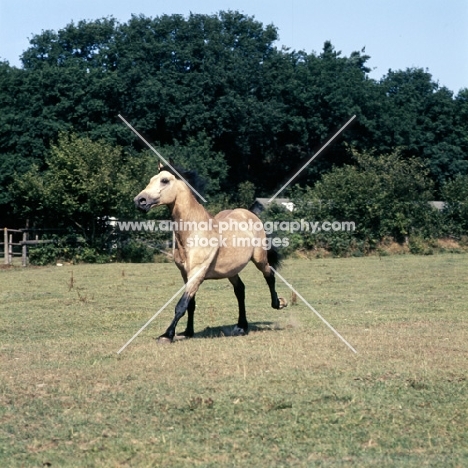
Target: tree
(84, 184)
(421, 119)
(215, 92)
(198, 153)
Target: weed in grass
(71, 282)
(293, 298)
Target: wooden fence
(9, 250)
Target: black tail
(274, 258)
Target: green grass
(288, 394)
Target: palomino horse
(209, 248)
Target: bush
(455, 194)
(67, 249)
(43, 255)
(419, 246)
(135, 251)
(50, 254)
(385, 196)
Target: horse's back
(238, 214)
(222, 214)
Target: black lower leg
(189, 331)
(275, 303)
(180, 309)
(239, 291)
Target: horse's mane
(191, 176)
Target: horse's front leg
(180, 309)
(186, 301)
(189, 331)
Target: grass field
(288, 394)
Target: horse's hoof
(282, 303)
(238, 331)
(164, 340)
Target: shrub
(68, 249)
(385, 196)
(455, 194)
(135, 251)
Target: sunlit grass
(288, 394)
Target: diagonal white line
(312, 158)
(159, 311)
(157, 154)
(315, 312)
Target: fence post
(5, 246)
(10, 250)
(24, 250)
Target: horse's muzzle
(144, 203)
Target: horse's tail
(274, 258)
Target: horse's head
(161, 190)
(164, 187)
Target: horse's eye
(164, 181)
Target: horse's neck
(186, 208)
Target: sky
(397, 34)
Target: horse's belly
(229, 262)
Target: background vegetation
(216, 95)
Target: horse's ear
(160, 165)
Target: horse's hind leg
(261, 262)
(275, 300)
(242, 327)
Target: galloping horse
(209, 248)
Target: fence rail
(8, 245)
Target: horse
(208, 247)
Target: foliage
(43, 255)
(61, 251)
(455, 194)
(135, 251)
(380, 197)
(385, 195)
(75, 250)
(85, 183)
(245, 194)
(216, 94)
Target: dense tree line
(214, 93)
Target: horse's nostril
(142, 201)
